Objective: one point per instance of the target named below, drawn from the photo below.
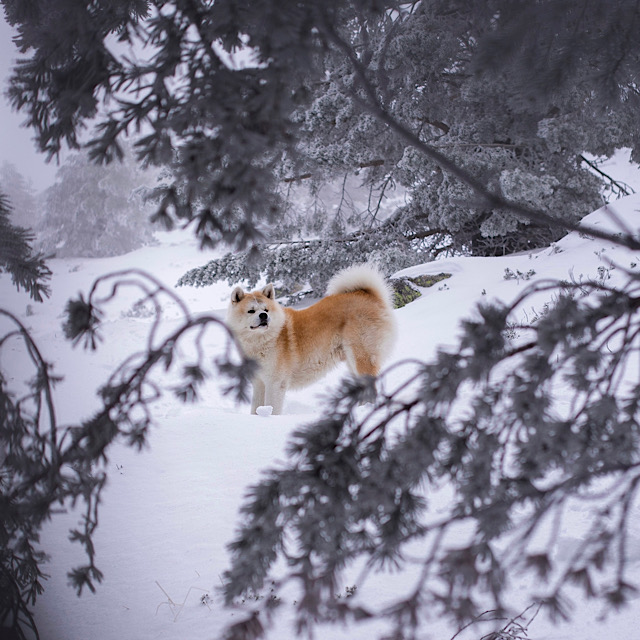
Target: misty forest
(290, 140)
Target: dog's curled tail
(361, 277)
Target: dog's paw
(265, 411)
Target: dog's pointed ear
(237, 294)
(269, 291)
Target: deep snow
(168, 512)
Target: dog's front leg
(274, 396)
(257, 399)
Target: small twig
(180, 606)
(476, 620)
(625, 189)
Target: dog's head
(254, 312)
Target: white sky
(16, 142)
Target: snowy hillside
(169, 511)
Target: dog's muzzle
(263, 321)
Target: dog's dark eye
(251, 311)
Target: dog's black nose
(263, 316)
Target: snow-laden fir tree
(96, 211)
(433, 70)
(28, 270)
(22, 196)
(399, 92)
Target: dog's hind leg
(364, 365)
(361, 363)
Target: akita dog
(354, 323)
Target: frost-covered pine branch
(44, 463)
(296, 265)
(482, 424)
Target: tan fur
(354, 324)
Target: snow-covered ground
(169, 511)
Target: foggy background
(16, 143)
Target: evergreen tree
(431, 71)
(27, 270)
(414, 90)
(427, 70)
(96, 211)
(21, 195)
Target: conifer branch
(491, 199)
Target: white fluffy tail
(361, 277)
